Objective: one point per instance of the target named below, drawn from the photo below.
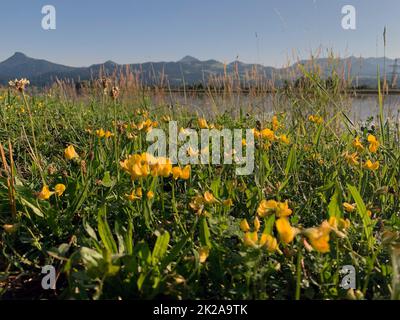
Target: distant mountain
(19, 65)
(188, 70)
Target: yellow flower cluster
(199, 202)
(318, 236)
(145, 126)
(202, 123)
(138, 194)
(266, 207)
(142, 112)
(352, 159)
(181, 173)
(348, 207)
(251, 238)
(104, 134)
(282, 212)
(269, 134)
(373, 144)
(45, 193)
(143, 165)
(369, 165)
(316, 119)
(358, 145)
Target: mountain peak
(110, 63)
(188, 59)
(18, 55)
(16, 59)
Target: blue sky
(130, 31)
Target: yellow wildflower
(373, 143)
(202, 123)
(357, 144)
(349, 207)
(256, 133)
(282, 209)
(108, 134)
(269, 242)
(352, 159)
(176, 172)
(250, 239)
(209, 197)
(285, 230)
(257, 224)
(203, 254)
(284, 139)
(70, 153)
(150, 194)
(45, 194)
(339, 223)
(316, 119)
(162, 167)
(319, 237)
(59, 189)
(228, 202)
(244, 226)
(140, 166)
(371, 165)
(197, 204)
(135, 194)
(100, 133)
(266, 207)
(268, 134)
(185, 172)
(275, 123)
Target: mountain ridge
(188, 69)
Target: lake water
(358, 108)
(366, 106)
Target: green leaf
(215, 187)
(91, 258)
(107, 181)
(318, 135)
(269, 224)
(90, 230)
(291, 161)
(204, 233)
(129, 238)
(142, 252)
(362, 211)
(177, 251)
(35, 209)
(105, 232)
(161, 246)
(334, 207)
(120, 238)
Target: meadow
(79, 192)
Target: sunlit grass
(78, 192)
